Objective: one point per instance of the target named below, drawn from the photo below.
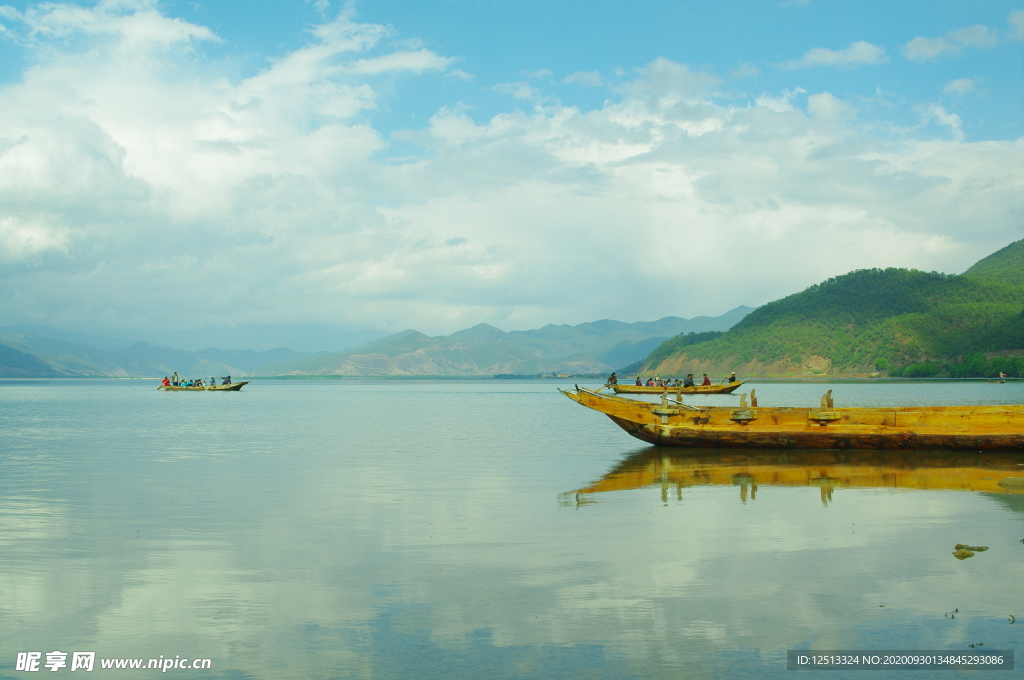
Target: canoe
(723, 388)
(233, 387)
(947, 428)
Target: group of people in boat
(656, 381)
(175, 381)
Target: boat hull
(724, 388)
(948, 428)
(233, 387)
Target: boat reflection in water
(674, 470)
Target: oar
(692, 408)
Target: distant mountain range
(39, 351)
(485, 350)
(23, 356)
(900, 321)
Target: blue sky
(384, 165)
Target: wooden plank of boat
(233, 387)
(949, 428)
(723, 388)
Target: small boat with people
(655, 385)
(721, 388)
(946, 428)
(174, 384)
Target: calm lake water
(481, 529)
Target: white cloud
(745, 71)
(518, 90)
(421, 60)
(943, 117)
(21, 241)
(1016, 21)
(459, 74)
(133, 22)
(825, 106)
(958, 86)
(139, 183)
(782, 103)
(539, 74)
(857, 53)
(586, 79)
(925, 49)
(671, 80)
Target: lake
(481, 529)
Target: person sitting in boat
(707, 380)
(227, 380)
(612, 379)
(688, 380)
(639, 382)
(732, 377)
(678, 383)
(650, 382)
(166, 382)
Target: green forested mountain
(1006, 265)
(868, 319)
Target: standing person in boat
(175, 379)
(707, 380)
(688, 380)
(732, 377)
(612, 379)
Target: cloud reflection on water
(399, 531)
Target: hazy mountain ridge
(17, 364)
(57, 358)
(869, 319)
(480, 350)
(485, 350)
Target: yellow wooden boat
(233, 387)
(950, 428)
(722, 388)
